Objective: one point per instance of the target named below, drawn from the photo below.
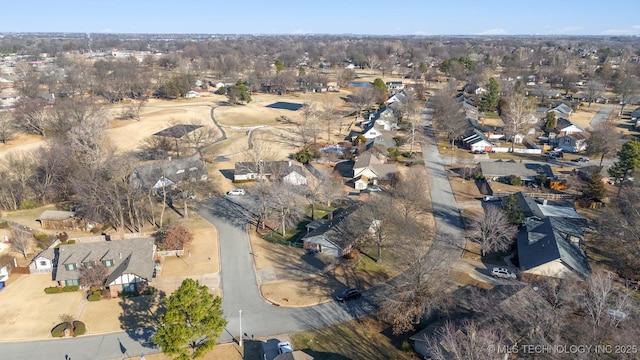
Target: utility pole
(240, 338)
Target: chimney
(289, 163)
(544, 202)
(120, 255)
(330, 215)
(169, 158)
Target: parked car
(503, 272)
(237, 192)
(375, 188)
(582, 159)
(349, 294)
(284, 347)
(490, 198)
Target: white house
(192, 94)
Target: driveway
(601, 116)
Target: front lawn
(357, 339)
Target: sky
(373, 17)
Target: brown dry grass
(357, 339)
(222, 351)
(464, 190)
(464, 279)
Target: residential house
(527, 171)
(65, 220)
(561, 109)
(192, 94)
(573, 143)
(477, 142)
(295, 355)
(370, 168)
(474, 89)
(130, 263)
(334, 236)
(550, 246)
(564, 127)
(400, 96)
(270, 170)
(168, 174)
(394, 85)
(44, 261)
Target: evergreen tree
(513, 210)
(492, 97)
(192, 323)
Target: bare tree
(286, 201)
(93, 275)
(517, 115)
(309, 125)
(8, 128)
(606, 305)
(21, 241)
(593, 89)
(469, 340)
(362, 99)
(493, 230)
(420, 288)
(176, 237)
(32, 116)
(603, 141)
(329, 114)
(448, 116)
(626, 87)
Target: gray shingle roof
(177, 170)
(542, 241)
(55, 215)
(131, 256)
(275, 168)
(501, 168)
(337, 230)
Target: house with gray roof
(551, 247)
(286, 171)
(370, 168)
(334, 236)
(168, 174)
(527, 171)
(130, 263)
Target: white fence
(171, 252)
(516, 150)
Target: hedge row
(58, 331)
(60, 289)
(79, 328)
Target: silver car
(503, 272)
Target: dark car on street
(349, 294)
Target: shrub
(94, 297)
(406, 347)
(63, 236)
(40, 237)
(27, 204)
(58, 330)
(71, 241)
(52, 290)
(4, 225)
(79, 328)
(70, 288)
(514, 180)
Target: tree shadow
(141, 314)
